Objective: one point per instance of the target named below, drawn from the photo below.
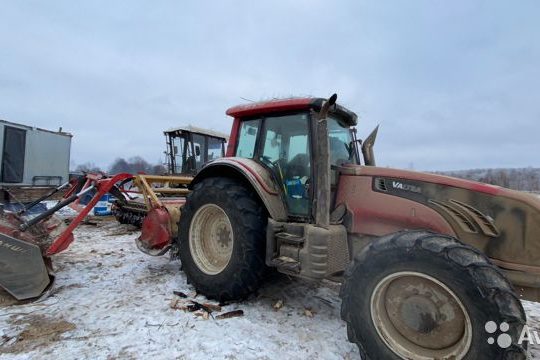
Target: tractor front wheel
(221, 239)
(420, 295)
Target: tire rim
(418, 317)
(211, 239)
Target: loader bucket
(23, 273)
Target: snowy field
(112, 302)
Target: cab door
(284, 148)
(282, 145)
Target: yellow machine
(187, 149)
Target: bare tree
(120, 165)
(136, 165)
(88, 167)
(525, 179)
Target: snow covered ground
(112, 302)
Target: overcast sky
(454, 84)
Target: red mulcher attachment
(26, 245)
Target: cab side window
(247, 138)
(285, 151)
(215, 148)
(199, 147)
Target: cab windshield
(340, 143)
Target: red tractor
(425, 260)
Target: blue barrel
(103, 206)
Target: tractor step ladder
(287, 264)
(291, 239)
(289, 246)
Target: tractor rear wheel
(420, 295)
(221, 239)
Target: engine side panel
(505, 226)
(377, 214)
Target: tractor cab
(189, 147)
(281, 135)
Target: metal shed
(32, 156)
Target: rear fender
(254, 175)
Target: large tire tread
(496, 289)
(249, 264)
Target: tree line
(134, 165)
(524, 179)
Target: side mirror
(175, 150)
(197, 150)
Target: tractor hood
(503, 223)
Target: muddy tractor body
(367, 201)
(425, 260)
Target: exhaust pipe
(367, 148)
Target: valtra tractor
(425, 261)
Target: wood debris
(230, 314)
(180, 294)
(178, 303)
(278, 305)
(208, 307)
(202, 313)
(174, 303)
(211, 307)
(199, 309)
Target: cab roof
(197, 130)
(290, 105)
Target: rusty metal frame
(103, 185)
